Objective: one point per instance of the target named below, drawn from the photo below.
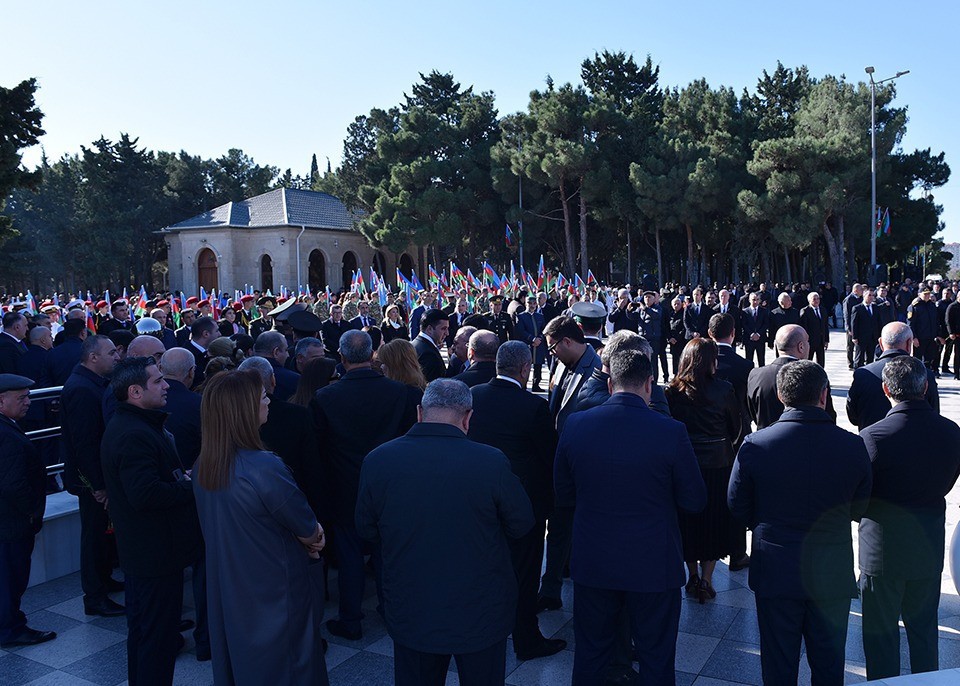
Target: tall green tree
(19, 128)
(235, 177)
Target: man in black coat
(624, 313)
(154, 517)
(22, 502)
(65, 356)
(183, 405)
(82, 424)
(763, 402)
(854, 298)
(916, 461)
(865, 329)
(696, 316)
(203, 332)
(781, 316)
(187, 318)
(754, 322)
(866, 402)
(119, 319)
(434, 325)
(922, 316)
(441, 508)
(506, 417)
(332, 329)
(952, 321)
(11, 341)
(482, 353)
(273, 347)
(798, 485)
(457, 359)
(813, 319)
(360, 412)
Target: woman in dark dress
(708, 407)
(264, 602)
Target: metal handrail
(49, 393)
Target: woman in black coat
(676, 335)
(708, 407)
(393, 326)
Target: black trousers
(527, 555)
(559, 538)
(885, 601)
(943, 354)
(351, 574)
(662, 356)
(755, 349)
(822, 624)
(487, 667)
(927, 352)
(201, 632)
(14, 575)
(849, 349)
(819, 353)
(654, 620)
(863, 353)
(94, 549)
(153, 613)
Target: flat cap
(14, 382)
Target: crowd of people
(478, 447)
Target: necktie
(870, 310)
(817, 310)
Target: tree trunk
(764, 265)
(584, 261)
(660, 279)
(834, 240)
(704, 276)
(786, 262)
(567, 231)
(691, 278)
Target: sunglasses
(551, 348)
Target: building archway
(207, 276)
(348, 267)
(317, 271)
(379, 263)
(406, 265)
(266, 273)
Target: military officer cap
(267, 301)
(14, 382)
(284, 310)
(588, 312)
(654, 293)
(496, 299)
(304, 321)
(926, 289)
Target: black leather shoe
(740, 563)
(114, 586)
(29, 637)
(337, 628)
(203, 655)
(104, 608)
(185, 625)
(544, 603)
(549, 646)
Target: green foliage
(19, 128)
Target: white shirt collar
(511, 380)
(427, 338)
(198, 346)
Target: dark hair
(91, 345)
(801, 383)
(376, 336)
(630, 368)
(316, 374)
(11, 319)
(564, 327)
(202, 325)
(721, 326)
(121, 338)
(116, 304)
(244, 342)
(905, 378)
(74, 327)
(131, 371)
(696, 370)
(432, 316)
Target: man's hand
(754, 337)
(314, 544)
(101, 497)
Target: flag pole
(520, 228)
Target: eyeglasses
(551, 348)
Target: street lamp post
(873, 162)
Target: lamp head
(869, 70)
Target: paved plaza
(718, 642)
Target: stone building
(284, 238)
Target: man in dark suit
(482, 354)
(360, 412)
(763, 400)
(624, 313)
(456, 313)
(623, 510)
(506, 417)
(65, 356)
(183, 405)
(866, 402)
(433, 330)
(151, 499)
(11, 341)
(273, 347)
(363, 319)
(332, 329)
(814, 322)
(781, 316)
(736, 370)
(82, 426)
(22, 502)
(119, 319)
(865, 329)
(854, 298)
(529, 329)
(696, 316)
(441, 508)
(457, 360)
(754, 323)
(798, 485)
(203, 332)
(187, 318)
(916, 461)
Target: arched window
(406, 265)
(349, 267)
(379, 263)
(266, 273)
(317, 272)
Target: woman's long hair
(230, 415)
(698, 364)
(400, 357)
(316, 374)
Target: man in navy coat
(798, 484)
(626, 491)
(442, 508)
(529, 329)
(916, 461)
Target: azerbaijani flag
(91, 325)
(175, 310)
(31, 303)
(432, 277)
(361, 286)
(508, 236)
(886, 222)
(591, 279)
(141, 303)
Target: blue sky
(283, 81)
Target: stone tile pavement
(718, 642)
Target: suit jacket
(200, 359)
(429, 357)
(762, 401)
(454, 366)
(751, 324)
(781, 317)
(735, 369)
(441, 509)
(287, 381)
(478, 373)
(62, 359)
(864, 326)
(816, 327)
(510, 419)
(696, 322)
(360, 412)
(849, 303)
(23, 481)
(623, 318)
(456, 321)
(82, 427)
(798, 484)
(915, 455)
(530, 326)
(626, 491)
(357, 322)
(734, 312)
(563, 399)
(595, 392)
(866, 403)
(10, 352)
(183, 408)
(290, 434)
(331, 331)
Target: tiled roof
(280, 207)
